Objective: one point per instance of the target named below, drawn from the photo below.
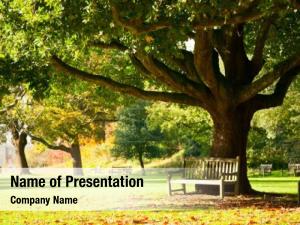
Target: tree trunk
(21, 143)
(76, 157)
(142, 162)
(230, 140)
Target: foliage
(72, 109)
(276, 140)
(145, 33)
(133, 137)
(189, 127)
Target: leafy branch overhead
(196, 77)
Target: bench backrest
(266, 167)
(294, 166)
(211, 168)
(121, 169)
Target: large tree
(244, 57)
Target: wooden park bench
(265, 169)
(121, 170)
(207, 171)
(294, 168)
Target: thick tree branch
(53, 147)
(247, 6)
(124, 88)
(150, 66)
(266, 80)
(175, 80)
(236, 19)
(138, 65)
(188, 61)
(114, 44)
(261, 101)
(186, 65)
(295, 4)
(136, 26)
(257, 59)
(236, 62)
(205, 58)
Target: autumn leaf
(140, 220)
(194, 218)
(149, 39)
(166, 222)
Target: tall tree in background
(134, 139)
(256, 42)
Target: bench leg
(298, 192)
(184, 188)
(222, 189)
(169, 186)
(236, 189)
(197, 188)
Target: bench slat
(212, 182)
(186, 181)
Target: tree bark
(230, 140)
(142, 162)
(21, 143)
(76, 157)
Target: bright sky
(190, 45)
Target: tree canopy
(152, 34)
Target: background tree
(276, 140)
(10, 123)
(134, 139)
(185, 127)
(257, 42)
(17, 75)
(70, 112)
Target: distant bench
(265, 169)
(207, 171)
(121, 170)
(294, 168)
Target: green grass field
(285, 185)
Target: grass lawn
(286, 185)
